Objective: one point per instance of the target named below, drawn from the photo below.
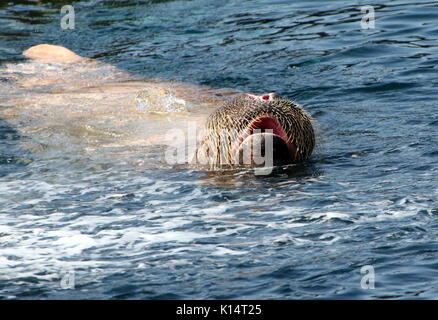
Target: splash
(160, 100)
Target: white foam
(329, 238)
(221, 251)
(75, 244)
(216, 210)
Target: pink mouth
(264, 123)
(267, 124)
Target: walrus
(244, 125)
(243, 128)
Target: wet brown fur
(227, 123)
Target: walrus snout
(257, 130)
(265, 139)
(263, 149)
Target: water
(129, 226)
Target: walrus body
(244, 129)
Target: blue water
(367, 197)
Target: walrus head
(246, 127)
